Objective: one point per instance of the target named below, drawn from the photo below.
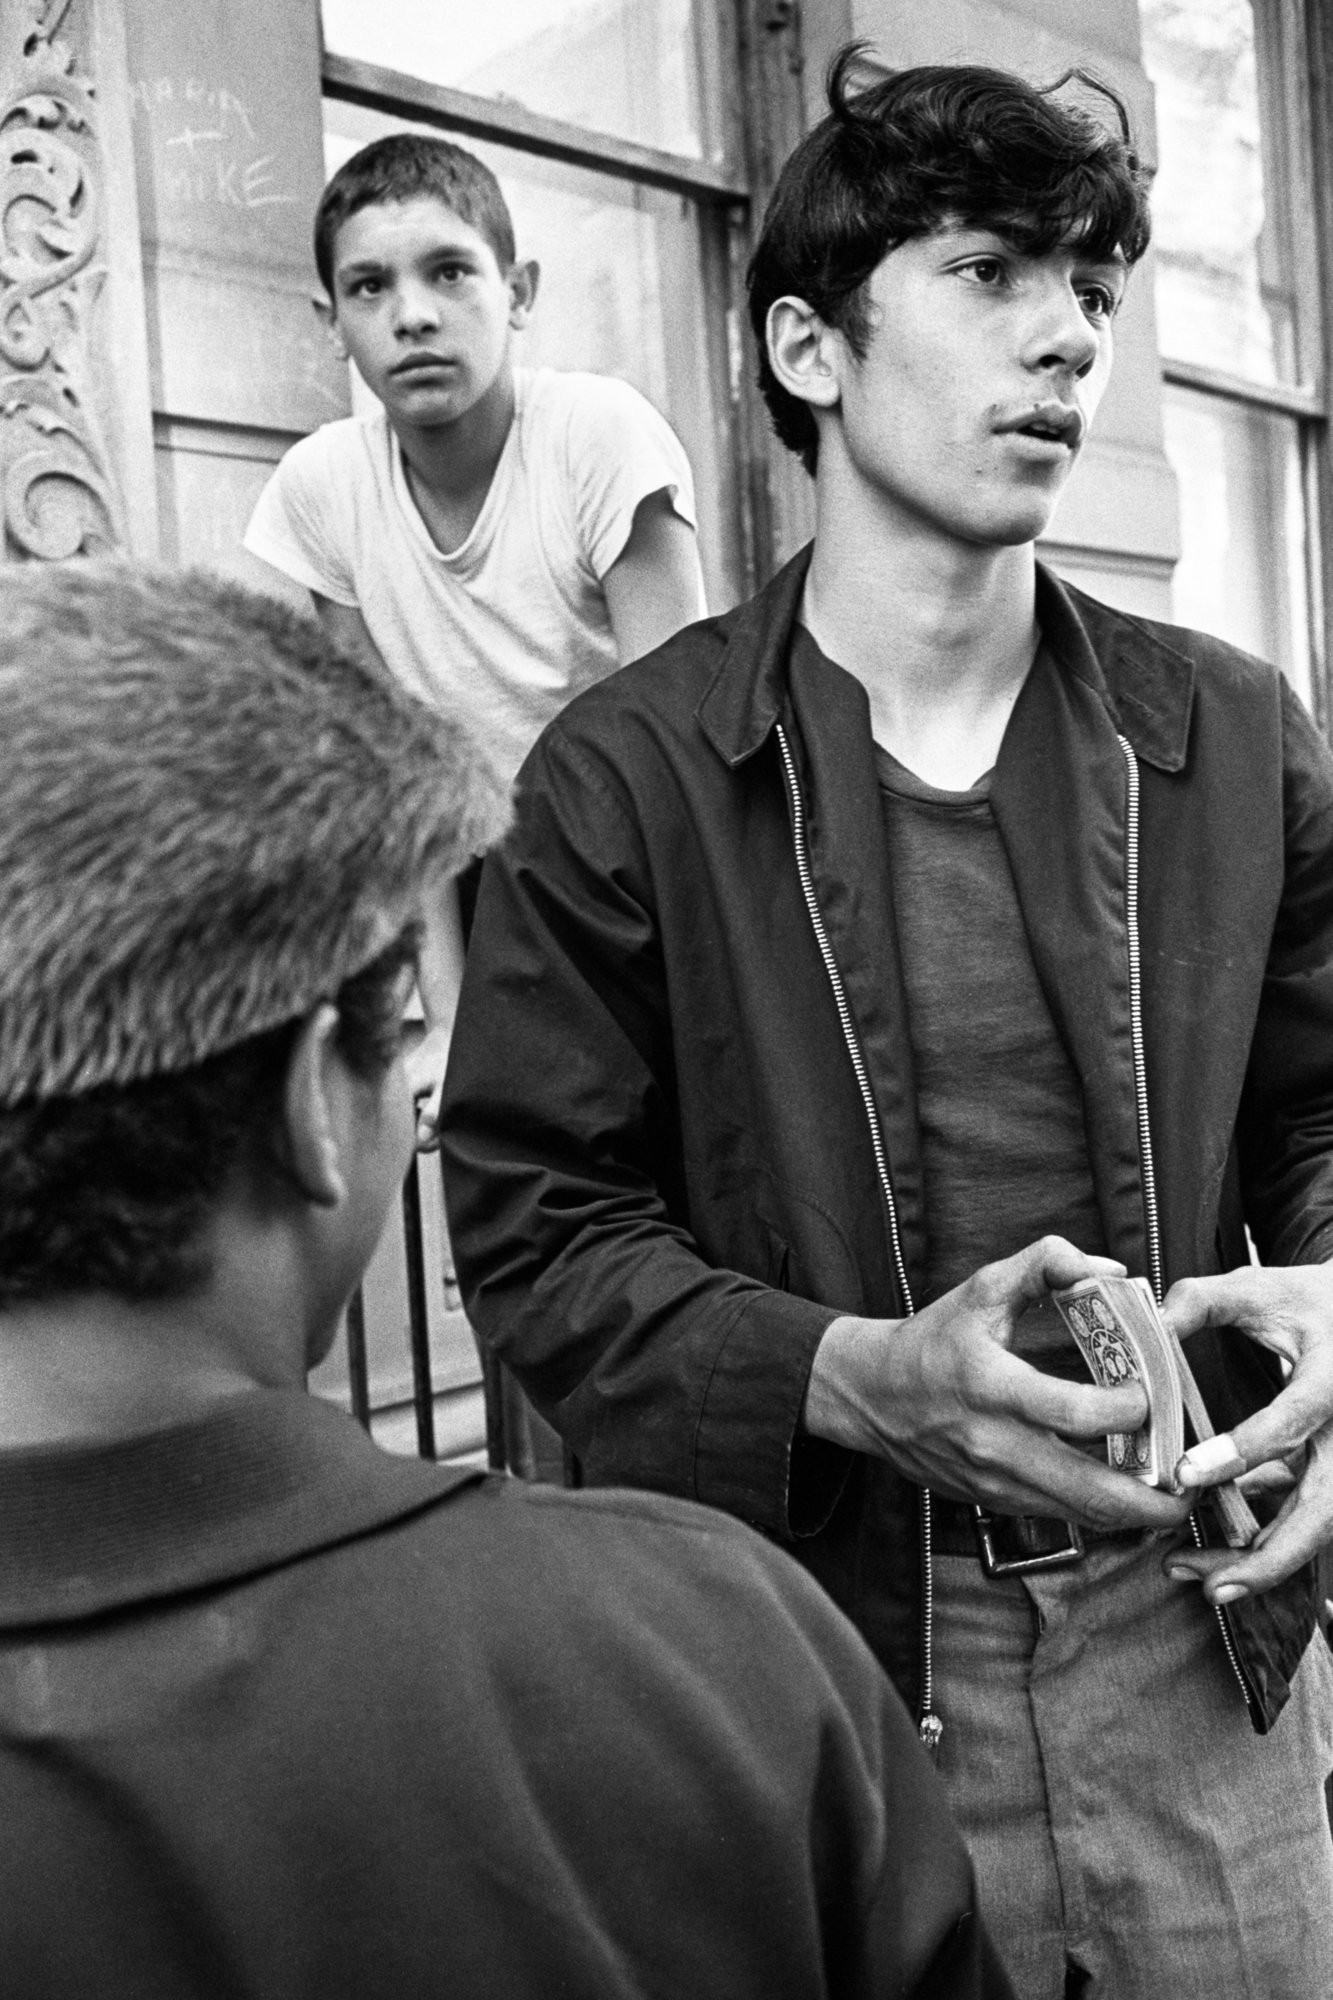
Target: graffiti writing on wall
(205, 144)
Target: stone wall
(225, 111)
(75, 437)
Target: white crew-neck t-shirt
(511, 625)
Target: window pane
(1241, 574)
(638, 69)
(1232, 207)
(623, 292)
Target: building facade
(159, 167)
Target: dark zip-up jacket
(660, 1172)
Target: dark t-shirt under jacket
(1003, 1146)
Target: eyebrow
(363, 267)
(1110, 260)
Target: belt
(1013, 1544)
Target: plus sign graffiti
(206, 146)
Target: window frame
(1319, 59)
(399, 94)
(1307, 406)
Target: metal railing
(418, 1331)
(516, 1440)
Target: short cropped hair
(898, 157)
(402, 167)
(205, 816)
(210, 821)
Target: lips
(1050, 422)
(420, 364)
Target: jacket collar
(263, 1478)
(749, 689)
(1146, 686)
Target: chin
(424, 413)
(1014, 535)
(1010, 526)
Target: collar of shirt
(262, 1478)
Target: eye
(1099, 302)
(365, 288)
(451, 272)
(986, 271)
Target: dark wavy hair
(898, 156)
(400, 168)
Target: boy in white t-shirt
(500, 537)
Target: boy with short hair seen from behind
(501, 537)
(281, 1714)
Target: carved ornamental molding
(57, 492)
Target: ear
(523, 281)
(802, 352)
(313, 1131)
(328, 319)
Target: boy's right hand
(944, 1401)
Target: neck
(454, 463)
(92, 1366)
(940, 631)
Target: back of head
(403, 167)
(900, 155)
(210, 821)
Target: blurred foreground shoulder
(747, 1707)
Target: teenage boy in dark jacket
(282, 1716)
(886, 953)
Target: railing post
(358, 1373)
(423, 1391)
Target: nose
(1060, 337)
(416, 309)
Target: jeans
(1133, 1838)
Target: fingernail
(1181, 1575)
(1216, 1458)
(1227, 1593)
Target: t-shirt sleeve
(295, 523)
(620, 450)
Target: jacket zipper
(1150, 1209)
(929, 1726)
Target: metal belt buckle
(1001, 1550)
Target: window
(603, 121)
(1239, 320)
(642, 72)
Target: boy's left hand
(425, 1073)
(1290, 1311)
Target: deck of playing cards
(1123, 1338)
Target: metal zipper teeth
(1149, 1172)
(928, 1724)
(1150, 1209)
